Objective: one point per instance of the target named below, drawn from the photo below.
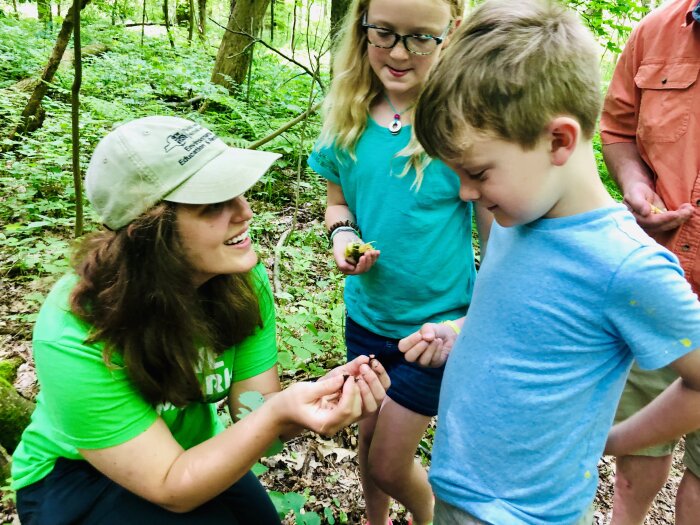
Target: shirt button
(685, 247)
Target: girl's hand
(430, 346)
(650, 211)
(323, 407)
(371, 378)
(365, 262)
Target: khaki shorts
(641, 388)
(446, 514)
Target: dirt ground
(324, 470)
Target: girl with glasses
(385, 198)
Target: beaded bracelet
(342, 229)
(343, 224)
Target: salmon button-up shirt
(654, 100)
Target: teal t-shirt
(82, 403)
(426, 268)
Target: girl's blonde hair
(355, 87)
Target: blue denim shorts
(412, 386)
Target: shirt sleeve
(258, 353)
(90, 404)
(324, 161)
(618, 122)
(653, 309)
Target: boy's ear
(563, 134)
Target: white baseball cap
(152, 159)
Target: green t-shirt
(85, 404)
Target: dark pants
(76, 493)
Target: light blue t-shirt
(560, 308)
(426, 268)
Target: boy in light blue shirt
(570, 291)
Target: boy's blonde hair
(511, 67)
(354, 86)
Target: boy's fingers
(426, 358)
(416, 351)
(408, 342)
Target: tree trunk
(5, 467)
(294, 26)
(75, 122)
(143, 21)
(202, 27)
(190, 21)
(272, 21)
(43, 9)
(233, 58)
(166, 16)
(15, 412)
(338, 10)
(33, 114)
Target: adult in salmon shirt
(650, 130)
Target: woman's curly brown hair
(135, 290)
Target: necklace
(396, 125)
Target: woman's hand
(323, 407)
(431, 345)
(371, 379)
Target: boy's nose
(468, 192)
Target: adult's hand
(650, 211)
(372, 380)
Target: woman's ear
(564, 134)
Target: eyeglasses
(417, 44)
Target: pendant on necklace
(395, 125)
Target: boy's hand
(650, 211)
(371, 379)
(430, 346)
(363, 264)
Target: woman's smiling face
(215, 238)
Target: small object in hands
(355, 250)
(654, 209)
